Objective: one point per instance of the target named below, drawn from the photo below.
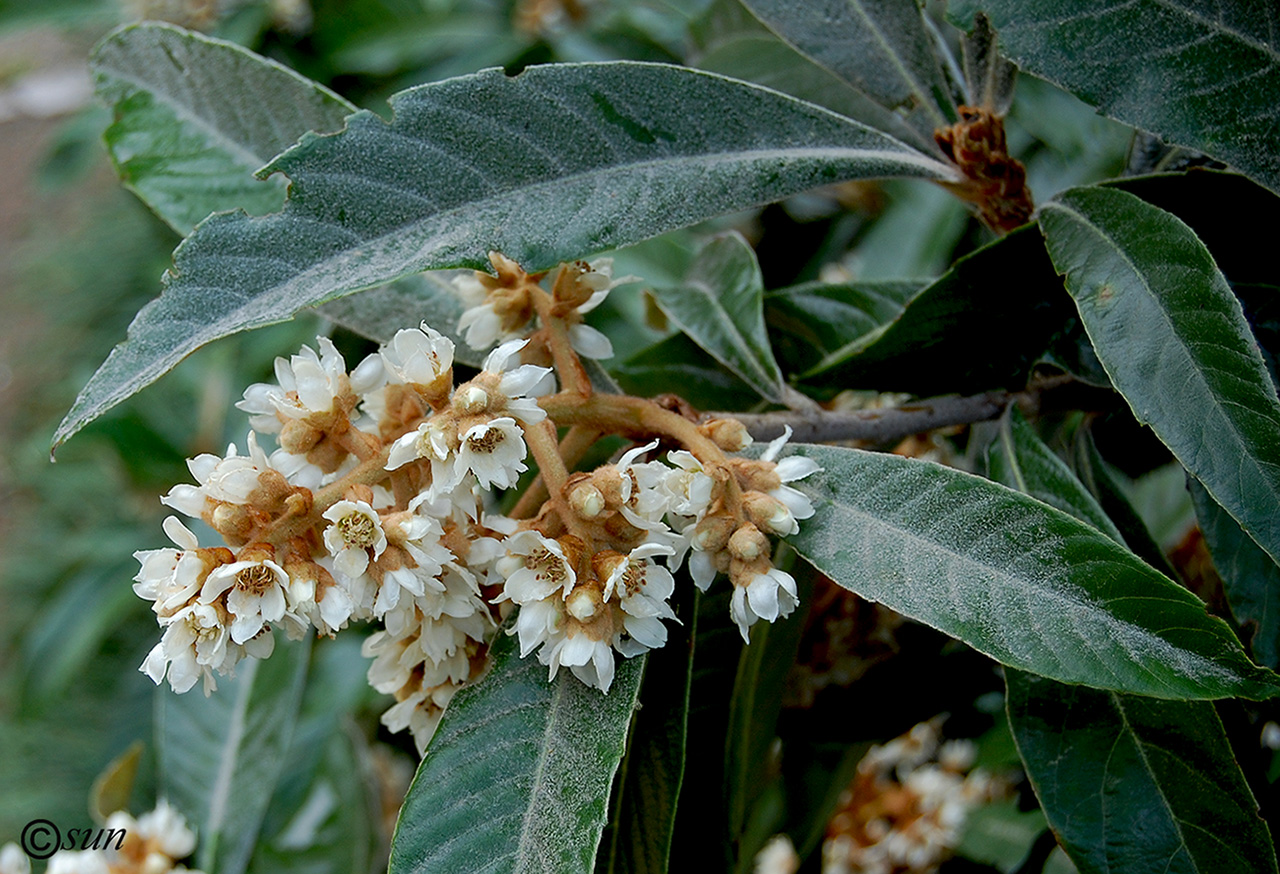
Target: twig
(894, 423)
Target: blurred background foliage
(80, 256)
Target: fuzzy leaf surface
(720, 305)
(880, 47)
(1028, 585)
(1174, 340)
(220, 757)
(1135, 784)
(517, 776)
(1022, 461)
(1200, 74)
(196, 117)
(557, 163)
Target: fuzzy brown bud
(297, 437)
(748, 543)
(729, 434)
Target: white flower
(769, 595)
(170, 577)
(308, 384)
(535, 567)
(355, 529)
(790, 469)
(586, 340)
(13, 860)
(228, 480)
(590, 660)
(494, 451)
(256, 594)
(481, 321)
(78, 862)
(688, 487)
(166, 829)
(642, 588)
(417, 355)
(195, 643)
(517, 383)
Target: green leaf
(556, 163)
(1020, 460)
(812, 320)
(1201, 75)
(220, 757)
(750, 768)
(720, 305)
(1019, 581)
(323, 816)
(517, 776)
(953, 335)
(677, 365)
(1249, 576)
(196, 117)
(736, 44)
(652, 774)
(1097, 476)
(1175, 343)
(424, 297)
(880, 47)
(1134, 784)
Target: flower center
(256, 579)
(545, 565)
(633, 578)
(486, 442)
(357, 530)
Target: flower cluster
(904, 810)
(150, 844)
(379, 504)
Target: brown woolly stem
(542, 445)
(573, 376)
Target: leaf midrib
(1119, 252)
(870, 520)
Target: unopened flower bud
(298, 438)
(232, 521)
(471, 399)
(748, 543)
(712, 533)
(769, 514)
(729, 434)
(586, 500)
(583, 603)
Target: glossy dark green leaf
(196, 117)
(1199, 74)
(810, 321)
(1020, 460)
(517, 776)
(648, 788)
(953, 335)
(750, 767)
(880, 47)
(1101, 481)
(679, 366)
(1135, 784)
(719, 304)
(1175, 343)
(556, 163)
(220, 757)
(1019, 581)
(1249, 576)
